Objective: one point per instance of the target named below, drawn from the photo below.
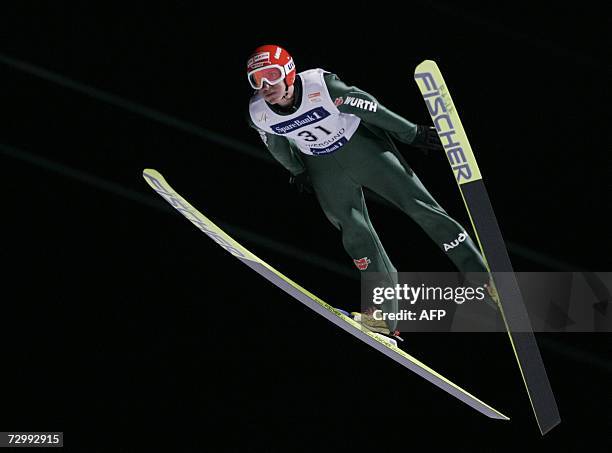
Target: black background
(123, 325)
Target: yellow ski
(461, 157)
(159, 184)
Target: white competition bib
(317, 127)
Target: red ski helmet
(271, 64)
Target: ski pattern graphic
(159, 184)
(446, 119)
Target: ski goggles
(271, 74)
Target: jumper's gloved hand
(427, 139)
(302, 182)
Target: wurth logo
(361, 104)
(462, 237)
(362, 263)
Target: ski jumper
(342, 136)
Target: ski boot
(376, 327)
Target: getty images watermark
(468, 302)
(414, 295)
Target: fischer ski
(473, 191)
(159, 184)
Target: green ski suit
(370, 159)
